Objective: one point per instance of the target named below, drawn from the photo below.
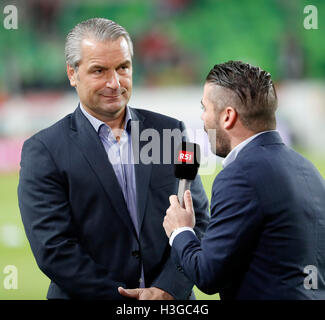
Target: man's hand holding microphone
(180, 215)
(176, 216)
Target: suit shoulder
(268, 157)
(53, 132)
(233, 169)
(156, 117)
(244, 169)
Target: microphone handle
(184, 185)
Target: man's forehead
(93, 47)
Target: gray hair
(97, 28)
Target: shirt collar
(96, 123)
(231, 157)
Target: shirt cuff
(178, 231)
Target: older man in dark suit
(92, 202)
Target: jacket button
(136, 254)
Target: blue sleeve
(234, 227)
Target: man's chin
(222, 153)
(112, 108)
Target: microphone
(187, 163)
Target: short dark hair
(255, 89)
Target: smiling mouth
(111, 97)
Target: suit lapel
(142, 171)
(90, 145)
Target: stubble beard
(219, 141)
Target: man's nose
(113, 81)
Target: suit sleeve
(172, 278)
(46, 215)
(232, 233)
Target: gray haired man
(93, 220)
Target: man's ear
(230, 116)
(72, 75)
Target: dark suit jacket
(77, 221)
(267, 224)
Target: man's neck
(117, 125)
(235, 141)
(115, 121)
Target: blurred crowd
(176, 41)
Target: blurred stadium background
(176, 44)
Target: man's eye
(98, 71)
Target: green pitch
(15, 250)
